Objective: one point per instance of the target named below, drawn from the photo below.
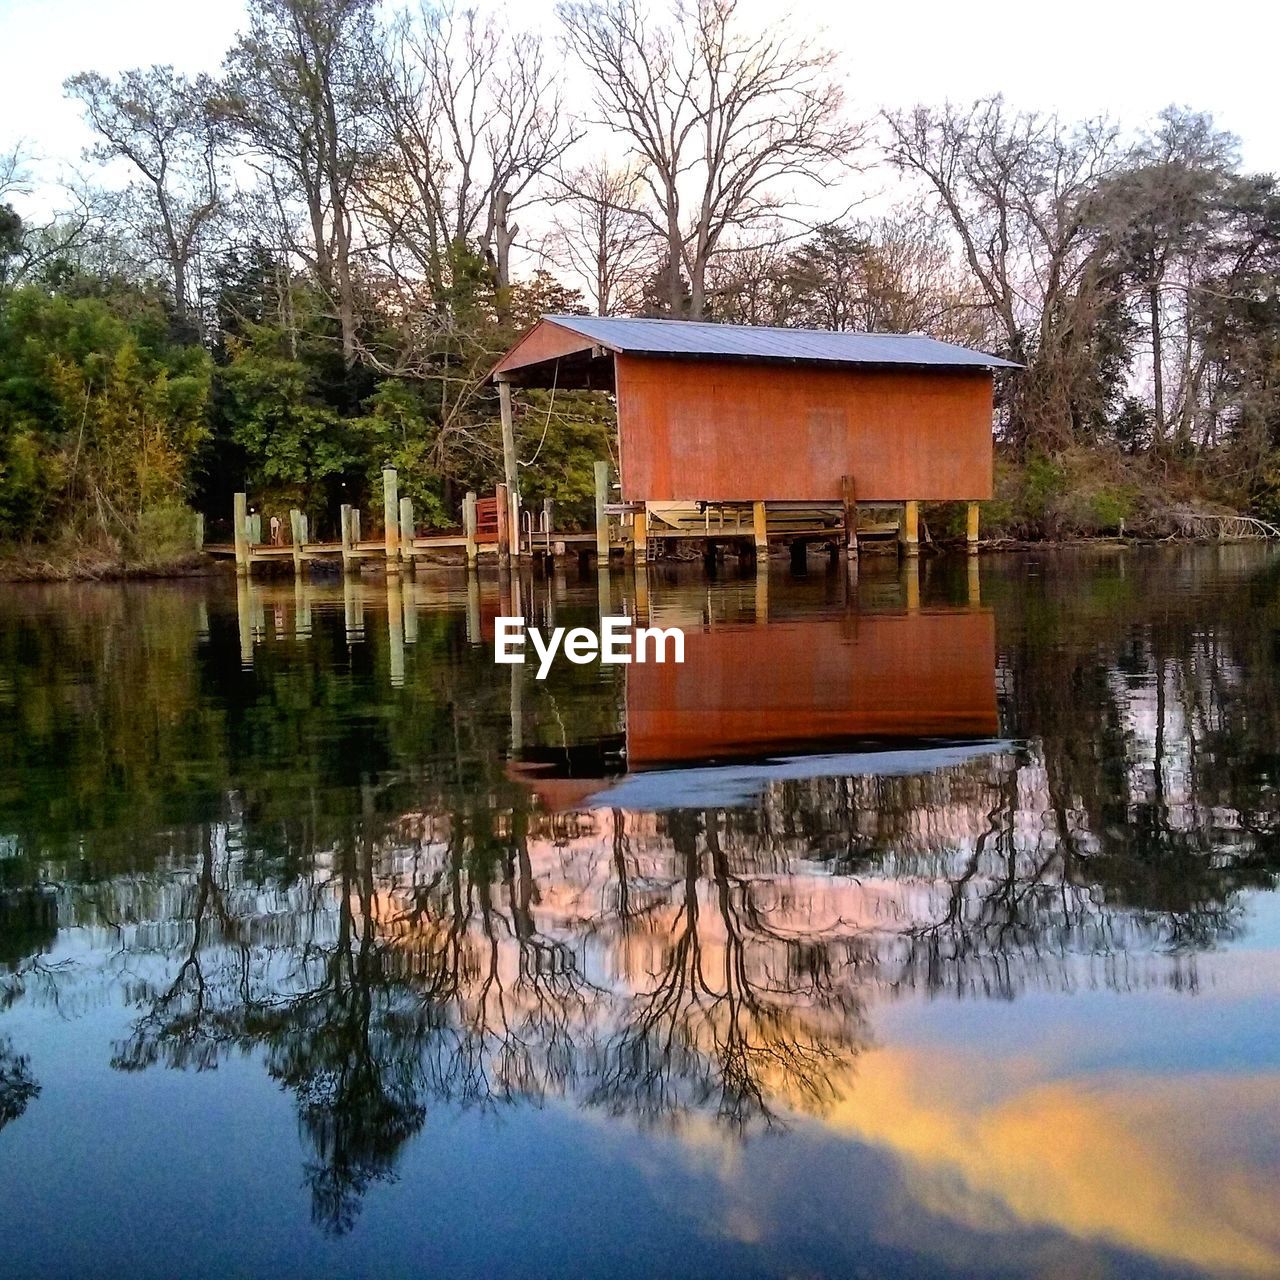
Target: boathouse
(716, 416)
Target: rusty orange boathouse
(736, 432)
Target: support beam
(510, 469)
(848, 495)
(240, 531)
(909, 530)
(197, 537)
(971, 526)
(602, 516)
(760, 531)
(391, 518)
(406, 530)
(469, 527)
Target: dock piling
(971, 527)
(240, 531)
(391, 518)
(909, 529)
(602, 515)
(298, 536)
(406, 530)
(469, 527)
(849, 498)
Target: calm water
(909, 929)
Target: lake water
(923, 925)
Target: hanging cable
(555, 378)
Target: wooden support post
(971, 527)
(356, 535)
(391, 518)
(240, 531)
(760, 531)
(909, 530)
(510, 470)
(298, 537)
(548, 523)
(640, 534)
(255, 529)
(602, 516)
(469, 527)
(849, 498)
(197, 536)
(344, 529)
(504, 524)
(406, 530)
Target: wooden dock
(498, 527)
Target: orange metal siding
(745, 690)
(731, 431)
(544, 341)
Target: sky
(1123, 58)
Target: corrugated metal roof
(748, 342)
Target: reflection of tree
(726, 1019)
(17, 1086)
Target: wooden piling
(344, 527)
(240, 531)
(849, 498)
(504, 524)
(406, 530)
(469, 527)
(909, 529)
(298, 537)
(510, 469)
(760, 531)
(640, 535)
(197, 536)
(971, 526)
(602, 516)
(391, 518)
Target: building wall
(729, 431)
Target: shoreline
(35, 570)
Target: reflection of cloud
(1173, 1167)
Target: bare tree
(470, 120)
(297, 91)
(159, 121)
(725, 122)
(602, 235)
(1015, 187)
